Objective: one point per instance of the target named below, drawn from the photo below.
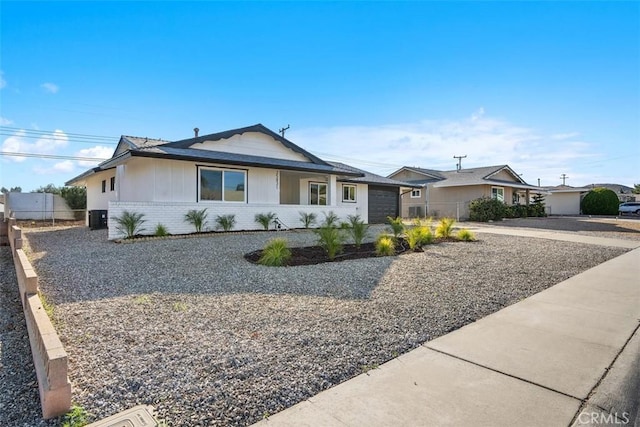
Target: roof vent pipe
(196, 130)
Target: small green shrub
(397, 226)
(265, 219)
(418, 236)
(76, 417)
(275, 253)
(466, 235)
(130, 223)
(225, 222)
(385, 246)
(307, 219)
(357, 229)
(600, 201)
(330, 219)
(445, 228)
(486, 209)
(197, 218)
(161, 230)
(331, 240)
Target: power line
(71, 137)
(51, 156)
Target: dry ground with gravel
(190, 327)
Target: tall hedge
(600, 201)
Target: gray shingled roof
(139, 142)
(469, 176)
(194, 154)
(371, 178)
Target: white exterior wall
(171, 214)
(562, 203)
(96, 199)
(254, 144)
(160, 180)
(362, 200)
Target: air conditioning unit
(415, 212)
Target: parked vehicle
(629, 208)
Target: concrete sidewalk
(567, 356)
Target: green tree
(49, 188)
(4, 190)
(636, 189)
(600, 201)
(76, 197)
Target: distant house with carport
(448, 193)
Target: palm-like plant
(397, 226)
(330, 239)
(357, 229)
(225, 222)
(197, 218)
(265, 219)
(330, 219)
(445, 227)
(307, 219)
(130, 223)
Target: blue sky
(546, 87)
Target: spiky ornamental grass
(418, 236)
(275, 253)
(466, 235)
(385, 246)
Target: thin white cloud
(65, 166)
(99, 152)
(483, 139)
(563, 136)
(50, 87)
(19, 142)
(5, 122)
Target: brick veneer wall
(171, 215)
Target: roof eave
(186, 157)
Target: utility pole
(564, 177)
(459, 166)
(283, 130)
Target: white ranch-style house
(243, 172)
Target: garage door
(383, 202)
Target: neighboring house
(242, 171)
(448, 193)
(563, 199)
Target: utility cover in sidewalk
(138, 416)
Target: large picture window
(497, 193)
(349, 193)
(223, 185)
(317, 193)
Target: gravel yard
(190, 327)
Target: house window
(317, 193)
(104, 185)
(497, 193)
(415, 194)
(112, 183)
(223, 185)
(349, 193)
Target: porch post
(333, 190)
(527, 192)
